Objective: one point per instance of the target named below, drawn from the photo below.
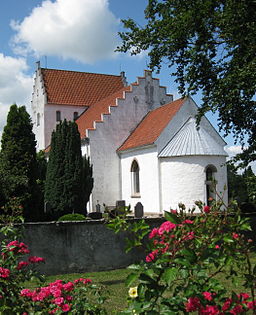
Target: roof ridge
(105, 74)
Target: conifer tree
(18, 165)
(64, 177)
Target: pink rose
(210, 310)
(187, 222)
(4, 273)
(22, 264)
(193, 304)
(174, 211)
(206, 209)
(207, 296)
(153, 233)
(35, 259)
(68, 286)
(59, 300)
(235, 236)
(65, 307)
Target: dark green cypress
(18, 165)
(63, 188)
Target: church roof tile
(78, 88)
(150, 128)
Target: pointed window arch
(135, 178)
(210, 183)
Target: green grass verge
(113, 282)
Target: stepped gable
(86, 121)
(75, 88)
(150, 128)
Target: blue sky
(68, 34)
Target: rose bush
(77, 297)
(189, 254)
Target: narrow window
(38, 119)
(58, 115)
(135, 178)
(210, 184)
(75, 115)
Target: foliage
(188, 254)
(18, 165)
(64, 176)
(242, 187)
(72, 217)
(210, 46)
(136, 230)
(13, 270)
(77, 297)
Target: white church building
(143, 145)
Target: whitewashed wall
(67, 112)
(47, 113)
(149, 179)
(183, 179)
(37, 106)
(113, 131)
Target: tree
(64, 187)
(211, 47)
(242, 187)
(18, 165)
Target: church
(144, 145)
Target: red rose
(207, 209)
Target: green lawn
(113, 283)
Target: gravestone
(138, 210)
(97, 207)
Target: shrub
(187, 256)
(72, 217)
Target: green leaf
(169, 275)
(228, 239)
(171, 217)
(189, 255)
(130, 279)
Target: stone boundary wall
(85, 246)
(82, 246)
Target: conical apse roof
(192, 141)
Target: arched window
(210, 183)
(135, 177)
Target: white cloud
(83, 30)
(15, 85)
(235, 149)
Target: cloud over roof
(82, 30)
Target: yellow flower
(133, 292)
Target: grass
(114, 283)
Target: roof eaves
(139, 147)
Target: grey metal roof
(192, 141)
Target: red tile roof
(150, 128)
(78, 88)
(94, 112)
